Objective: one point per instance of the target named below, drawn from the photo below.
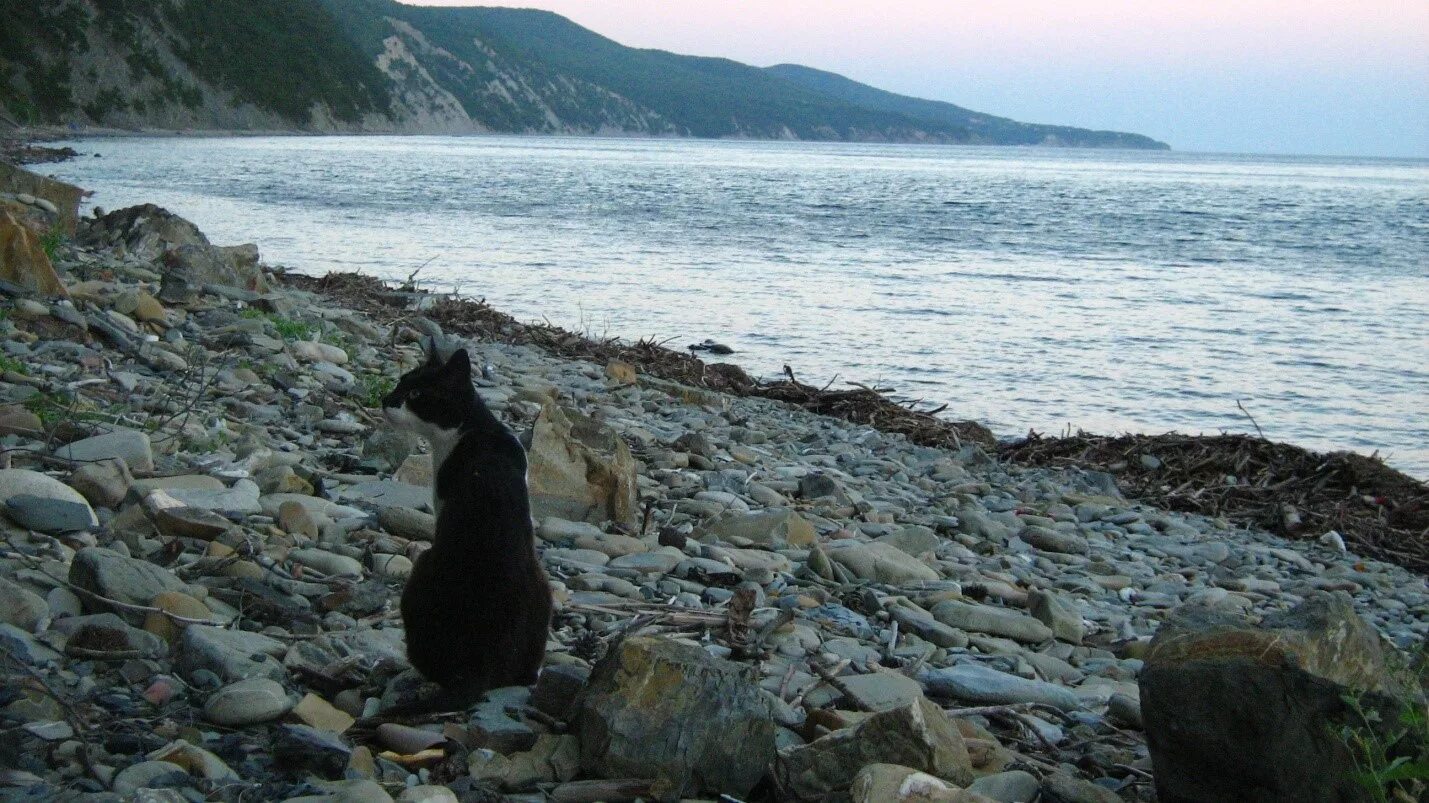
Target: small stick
(128, 606)
(838, 684)
(72, 717)
(1251, 417)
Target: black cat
(477, 607)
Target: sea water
(1111, 291)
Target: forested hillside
(377, 65)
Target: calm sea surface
(1110, 291)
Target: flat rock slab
(316, 505)
(989, 619)
(389, 493)
(982, 685)
(1049, 540)
(882, 691)
(191, 522)
(232, 655)
(48, 515)
(21, 482)
(116, 577)
(881, 562)
(247, 702)
(130, 445)
(241, 499)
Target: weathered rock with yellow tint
(179, 604)
(776, 528)
(580, 469)
(917, 735)
(620, 372)
(23, 260)
(140, 306)
(63, 196)
(16, 420)
(658, 708)
(316, 712)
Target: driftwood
(1379, 512)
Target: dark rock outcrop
(1238, 710)
(189, 260)
(659, 708)
(917, 735)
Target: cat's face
(433, 397)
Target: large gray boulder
(119, 578)
(658, 708)
(1243, 710)
(188, 259)
(579, 469)
(19, 482)
(917, 735)
(132, 446)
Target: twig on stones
(914, 668)
(838, 684)
(992, 710)
(103, 655)
(1140, 773)
(784, 684)
(807, 690)
(128, 606)
(77, 723)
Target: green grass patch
(374, 387)
(50, 242)
(286, 328)
(291, 330)
(50, 409)
(1390, 742)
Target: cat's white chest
(443, 442)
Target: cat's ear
(434, 355)
(458, 367)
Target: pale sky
(1349, 77)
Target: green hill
(377, 65)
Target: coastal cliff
(329, 66)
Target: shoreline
(1283, 488)
(225, 526)
(56, 133)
